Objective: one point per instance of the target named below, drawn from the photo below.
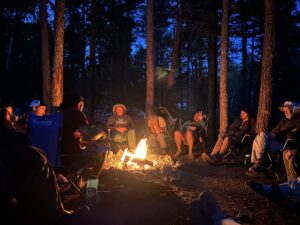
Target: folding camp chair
(276, 165)
(45, 133)
(170, 120)
(239, 150)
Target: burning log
(138, 161)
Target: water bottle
(247, 159)
(91, 193)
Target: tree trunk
(245, 93)
(176, 48)
(212, 71)
(224, 68)
(265, 96)
(45, 53)
(57, 71)
(92, 61)
(150, 59)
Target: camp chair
(45, 133)
(170, 120)
(239, 150)
(276, 165)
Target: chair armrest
(247, 138)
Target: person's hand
(201, 115)
(191, 128)
(121, 129)
(289, 154)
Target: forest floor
(159, 197)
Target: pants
(222, 145)
(263, 143)
(160, 137)
(87, 159)
(290, 189)
(128, 136)
(289, 165)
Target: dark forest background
(120, 52)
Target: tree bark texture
(224, 68)
(57, 71)
(265, 92)
(176, 48)
(150, 59)
(212, 72)
(45, 53)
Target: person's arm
(111, 122)
(277, 129)
(130, 123)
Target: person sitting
(157, 126)
(189, 132)
(122, 127)
(274, 141)
(236, 131)
(28, 189)
(76, 138)
(284, 194)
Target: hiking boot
(257, 170)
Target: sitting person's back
(75, 127)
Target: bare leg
(178, 140)
(190, 142)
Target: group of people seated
(120, 128)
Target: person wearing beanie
(236, 131)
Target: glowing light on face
(243, 115)
(287, 112)
(120, 111)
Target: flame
(140, 153)
(141, 150)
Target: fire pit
(139, 159)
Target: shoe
(274, 195)
(211, 159)
(257, 170)
(191, 156)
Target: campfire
(137, 159)
(140, 160)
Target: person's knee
(177, 135)
(189, 135)
(262, 136)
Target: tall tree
(176, 48)
(212, 68)
(57, 71)
(224, 68)
(92, 69)
(45, 53)
(150, 59)
(265, 92)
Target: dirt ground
(162, 197)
